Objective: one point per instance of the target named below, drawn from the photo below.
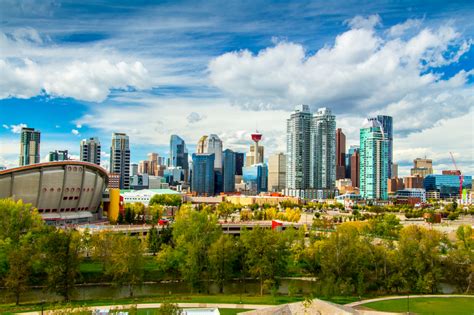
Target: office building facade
(90, 150)
(228, 171)
(422, 167)
(340, 154)
(120, 158)
(446, 185)
(202, 182)
(239, 163)
(323, 150)
(374, 161)
(255, 178)
(178, 153)
(387, 127)
(29, 146)
(277, 172)
(355, 167)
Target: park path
(353, 304)
(180, 305)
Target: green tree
(222, 255)
(101, 247)
(166, 200)
(266, 254)
(17, 219)
(225, 209)
(169, 309)
(126, 262)
(61, 258)
(193, 233)
(129, 217)
(153, 240)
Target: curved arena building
(66, 192)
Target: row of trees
(376, 255)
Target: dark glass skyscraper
(228, 169)
(239, 162)
(202, 182)
(178, 152)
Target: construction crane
(461, 177)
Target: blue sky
(153, 68)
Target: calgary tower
(256, 137)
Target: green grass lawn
(432, 306)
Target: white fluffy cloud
(362, 73)
(30, 68)
(15, 128)
(75, 132)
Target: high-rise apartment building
(90, 150)
(355, 167)
(298, 148)
(120, 158)
(277, 172)
(202, 182)
(422, 167)
(228, 171)
(323, 150)
(29, 146)
(387, 126)
(58, 155)
(374, 160)
(340, 154)
(178, 152)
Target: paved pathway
(181, 305)
(405, 297)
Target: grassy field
(223, 311)
(184, 298)
(432, 306)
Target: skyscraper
(351, 150)
(387, 126)
(58, 155)
(298, 147)
(252, 158)
(201, 145)
(178, 152)
(422, 167)
(239, 162)
(355, 166)
(256, 178)
(202, 182)
(374, 160)
(340, 154)
(213, 145)
(120, 158)
(90, 150)
(277, 172)
(29, 146)
(228, 171)
(323, 150)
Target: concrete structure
(394, 184)
(252, 158)
(422, 167)
(344, 185)
(58, 155)
(340, 154)
(64, 192)
(90, 150)
(374, 160)
(413, 182)
(202, 182)
(277, 172)
(29, 146)
(312, 307)
(228, 171)
(120, 158)
(298, 147)
(323, 150)
(394, 170)
(133, 169)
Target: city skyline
(184, 87)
